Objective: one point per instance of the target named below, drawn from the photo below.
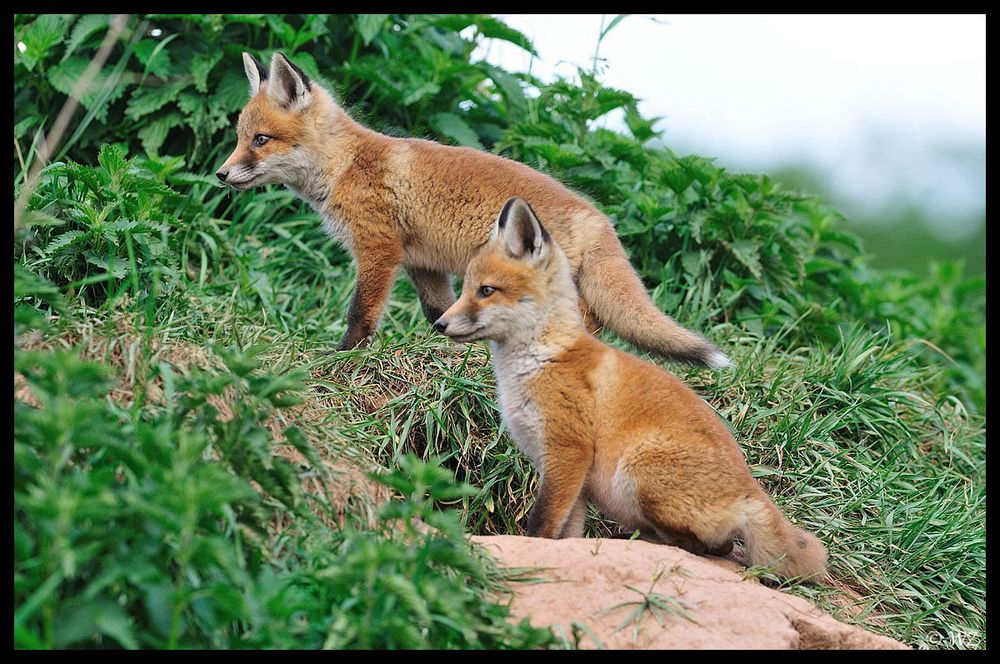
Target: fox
(428, 207)
(606, 426)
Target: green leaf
(45, 32)
(496, 29)
(148, 99)
(159, 606)
(117, 267)
(426, 89)
(22, 127)
(615, 21)
(510, 88)
(86, 26)
(113, 622)
(75, 624)
(40, 218)
(455, 128)
(692, 262)
(154, 133)
(369, 25)
(232, 92)
(201, 66)
(65, 76)
(747, 254)
(409, 596)
(81, 622)
(28, 283)
(282, 30)
(112, 159)
(62, 241)
(640, 127)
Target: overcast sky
(870, 99)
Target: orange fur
(429, 207)
(604, 425)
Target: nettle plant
(98, 227)
(406, 72)
(151, 527)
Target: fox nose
(222, 175)
(441, 325)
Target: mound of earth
(635, 594)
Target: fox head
(276, 126)
(515, 285)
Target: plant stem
(597, 47)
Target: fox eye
(260, 139)
(486, 291)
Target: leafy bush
(123, 529)
(145, 531)
(106, 225)
(154, 95)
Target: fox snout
(459, 326)
(241, 171)
(445, 322)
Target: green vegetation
(905, 234)
(185, 430)
(142, 529)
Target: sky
(886, 107)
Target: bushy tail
(618, 299)
(772, 540)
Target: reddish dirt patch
(586, 581)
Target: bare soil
(625, 594)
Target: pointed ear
(288, 85)
(523, 235)
(256, 73)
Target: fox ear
(288, 85)
(523, 235)
(255, 73)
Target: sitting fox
(604, 425)
(428, 207)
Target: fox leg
(376, 270)
(433, 289)
(563, 474)
(682, 539)
(577, 518)
(589, 317)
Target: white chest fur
(514, 371)
(337, 229)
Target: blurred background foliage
(904, 234)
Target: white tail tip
(717, 360)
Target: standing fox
(428, 207)
(605, 425)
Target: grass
(656, 604)
(847, 438)
(843, 438)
